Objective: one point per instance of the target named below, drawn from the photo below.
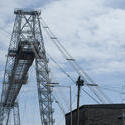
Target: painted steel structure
(26, 45)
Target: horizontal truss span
(23, 58)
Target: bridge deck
(23, 59)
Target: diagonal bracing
(26, 45)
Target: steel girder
(26, 45)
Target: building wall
(102, 116)
(98, 116)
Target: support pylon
(26, 45)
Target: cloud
(92, 31)
(116, 4)
(2, 57)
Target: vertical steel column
(5, 111)
(25, 45)
(42, 75)
(16, 114)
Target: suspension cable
(66, 55)
(62, 70)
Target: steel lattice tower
(26, 45)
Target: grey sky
(117, 4)
(93, 31)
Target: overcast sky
(93, 31)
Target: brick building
(103, 114)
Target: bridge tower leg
(26, 45)
(5, 109)
(42, 75)
(16, 114)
